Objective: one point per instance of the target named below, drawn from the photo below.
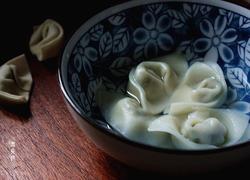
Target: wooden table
(44, 142)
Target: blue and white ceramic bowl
(105, 48)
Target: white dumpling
(126, 115)
(202, 128)
(194, 127)
(203, 84)
(152, 83)
(167, 124)
(47, 40)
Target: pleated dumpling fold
(15, 81)
(152, 83)
(46, 40)
(203, 84)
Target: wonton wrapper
(152, 83)
(126, 115)
(203, 84)
(15, 81)
(46, 40)
(176, 125)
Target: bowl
(105, 48)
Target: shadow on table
(21, 111)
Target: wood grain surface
(46, 143)
(42, 141)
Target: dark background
(17, 20)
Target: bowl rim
(109, 12)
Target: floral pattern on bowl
(108, 50)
